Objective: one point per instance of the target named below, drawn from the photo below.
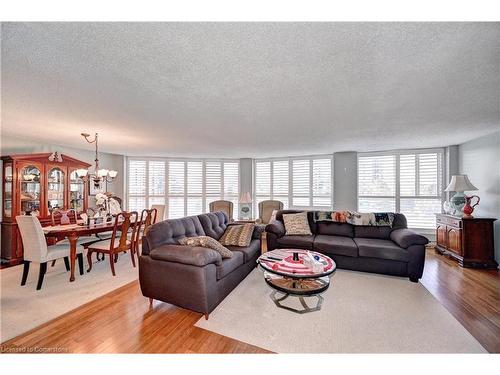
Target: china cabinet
(33, 185)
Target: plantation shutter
(231, 184)
(194, 201)
(213, 182)
(420, 180)
(322, 183)
(377, 183)
(301, 182)
(280, 187)
(176, 184)
(157, 182)
(137, 185)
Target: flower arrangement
(101, 202)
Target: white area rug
(24, 307)
(361, 313)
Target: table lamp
(245, 200)
(459, 183)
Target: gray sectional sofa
(392, 250)
(195, 278)
(198, 279)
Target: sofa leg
(414, 279)
(206, 316)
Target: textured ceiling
(251, 89)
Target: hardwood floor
(472, 296)
(122, 322)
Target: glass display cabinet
(33, 185)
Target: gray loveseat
(392, 250)
(195, 278)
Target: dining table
(74, 231)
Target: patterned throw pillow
(297, 224)
(237, 235)
(208, 242)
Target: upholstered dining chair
(36, 249)
(224, 206)
(266, 209)
(160, 212)
(121, 240)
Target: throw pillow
(297, 224)
(237, 235)
(208, 242)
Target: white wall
(480, 160)
(13, 145)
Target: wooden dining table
(74, 231)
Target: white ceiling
(251, 89)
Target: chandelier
(99, 175)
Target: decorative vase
(468, 207)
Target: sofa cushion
(249, 251)
(299, 242)
(169, 231)
(382, 249)
(367, 231)
(214, 224)
(195, 256)
(229, 265)
(335, 245)
(335, 229)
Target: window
(410, 182)
(297, 182)
(185, 186)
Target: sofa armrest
(258, 230)
(406, 237)
(191, 255)
(276, 227)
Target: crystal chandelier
(99, 175)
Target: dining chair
(63, 217)
(160, 212)
(120, 240)
(224, 206)
(148, 218)
(266, 209)
(36, 249)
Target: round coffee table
(290, 277)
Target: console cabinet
(34, 185)
(469, 240)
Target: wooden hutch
(32, 184)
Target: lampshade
(113, 173)
(102, 172)
(245, 198)
(460, 183)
